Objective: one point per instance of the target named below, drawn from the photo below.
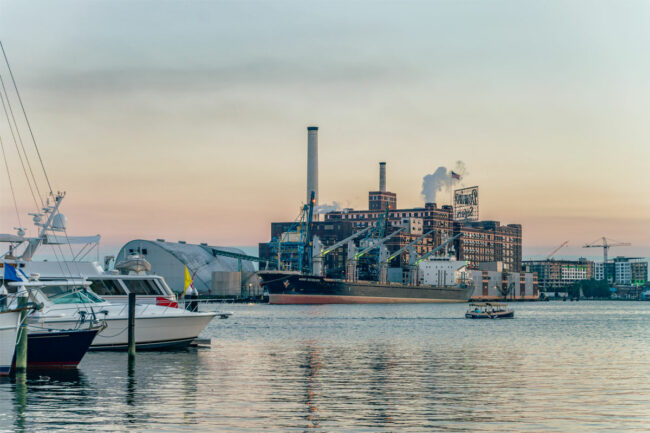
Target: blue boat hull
(58, 349)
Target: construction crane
(605, 244)
(385, 258)
(554, 252)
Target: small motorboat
(489, 310)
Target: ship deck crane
(414, 262)
(605, 244)
(354, 256)
(377, 243)
(436, 249)
(554, 252)
(385, 258)
(318, 252)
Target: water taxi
(489, 310)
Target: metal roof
(199, 259)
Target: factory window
(144, 251)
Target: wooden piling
(131, 326)
(21, 342)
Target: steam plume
(324, 208)
(441, 180)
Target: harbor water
(556, 367)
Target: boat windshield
(64, 295)
(142, 286)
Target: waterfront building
(493, 283)
(625, 271)
(559, 275)
(489, 241)
(482, 241)
(212, 273)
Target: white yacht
(112, 286)
(158, 321)
(9, 321)
(71, 304)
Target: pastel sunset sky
(187, 120)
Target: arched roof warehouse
(169, 259)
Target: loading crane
(354, 256)
(415, 261)
(300, 258)
(309, 210)
(318, 253)
(554, 252)
(385, 258)
(605, 244)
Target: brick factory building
(482, 241)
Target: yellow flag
(188, 280)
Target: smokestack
(312, 164)
(382, 177)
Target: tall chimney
(382, 177)
(312, 164)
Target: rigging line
(22, 163)
(20, 139)
(29, 126)
(75, 263)
(61, 261)
(11, 184)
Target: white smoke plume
(441, 180)
(324, 208)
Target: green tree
(593, 288)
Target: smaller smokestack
(382, 177)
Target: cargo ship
(286, 287)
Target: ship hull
(292, 288)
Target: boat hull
(494, 315)
(293, 288)
(150, 332)
(8, 331)
(58, 349)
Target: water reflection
(20, 401)
(376, 369)
(312, 367)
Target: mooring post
(131, 329)
(21, 341)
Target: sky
(187, 120)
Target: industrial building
(284, 248)
(216, 271)
(481, 241)
(489, 241)
(490, 252)
(559, 275)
